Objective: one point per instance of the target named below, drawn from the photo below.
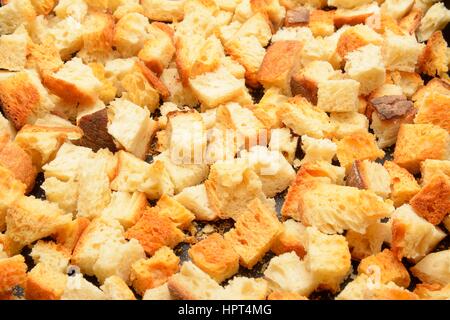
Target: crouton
(346, 3)
(371, 176)
(411, 21)
(355, 37)
(259, 26)
(14, 14)
(396, 9)
(191, 283)
(130, 34)
(17, 43)
(30, 219)
(390, 269)
(417, 142)
(175, 211)
(196, 200)
(410, 82)
(292, 238)
(436, 18)
(13, 273)
(12, 189)
(328, 258)
(338, 95)
(412, 236)
(434, 85)
(254, 233)
(348, 123)
(154, 231)
(214, 88)
(403, 184)
(140, 127)
(71, 8)
(433, 60)
(301, 34)
(230, 186)
(432, 168)
(401, 52)
(158, 293)
(297, 17)
(243, 288)
(69, 235)
(216, 257)
(78, 288)
(267, 110)
(303, 118)
(318, 149)
(354, 16)
(163, 10)
(358, 146)
(432, 291)
(44, 283)
(433, 268)
(151, 273)
(321, 22)
(432, 202)
(53, 255)
(19, 164)
(126, 207)
(433, 109)
(10, 247)
(179, 94)
(95, 131)
(67, 36)
(283, 141)
(116, 289)
(371, 242)
(281, 59)
(305, 81)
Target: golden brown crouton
(69, 235)
(433, 291)
(107, 91)
(433, 268)
(44, 57)
(13, 273)
(175, 211)
(434, 108)
(411, 21)
(254, 233)
(356, 37)
(15, 159)
(45, 283)
(417, 142)
(371, 242)
(11, 190)
(432, 202)
(151, 273)
(390, 269)
(321, 22)
(358, 146)
(434, 85)
(292, 238)
(154, 231)
(283, 295)
(216, 257)
(369, 175)
(433, 60)
(403, 184)
(354, 16)
(431, 168)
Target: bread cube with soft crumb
(436, 18)
(45, 283)
(15, 13)
(126, 207)
(410, 82)
(151, 273)
(13, 272)
(17, 43)
(283, 141)
(403, 184)
(348, 123)
(371, 242)
(433, 268)
(131, 33)
(12, 189)
(355, 37)
(318, 149)
(338, 95)
(418, 142)
(433, 109)
(175, 211)
(401, 52)
(370, 175)
(431, 168)
(216, 257)
(292, 238)
(243, 288)
(51, 254)
(115, 288)
(196, 200)
(433, 60)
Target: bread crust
(95, 129)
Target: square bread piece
(412, 236)
(370, 175)
(17, 43)
(436, 18)
(418, 142)
(401, 52)
(434, 109)
(169, 207)
(13, 272)
(45, 283)
(292, 238)
(243, 288)
(216, 257)
(196, 200)
(434, 268)
(12, 189)
(403, 184)
(431, 168)
(338, 95)
(126, 207)
(254, 233)
(116, 289)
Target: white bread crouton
(400, 52)
(13, 189)
(67, 36)
(30, 219)
(338, 95)
(139, 126)
(436, 18)
(347, 3)
(397, 9)
(434, 268)
(348, 123)
(130, 34)
(431, 168)
(371, 242)
(175, 211)
(354, 16)
(78, 288)
(318, 149)
(403, 184)
(412, 236)
(196, 200)
(15, 13)
(45, 283)
(159, 293)
(301, 34)
(163, 10)
(259, 26)
(410, 82)
(343, 210)
(116, 289)
(287, 272)
(365, 65)
(126, 207)
(243, 288)
(179, 94)
(73, 8)
(17, 43)
(254, 233)
(283, 141)
(274, 171)
(352, 38)
(51, 254)
(370, 175)
(328, 258)
(292, 238)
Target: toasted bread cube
(344, 208)
(11, 190)
(191, 283)
(71, 233)
(417, 142)
(281, 59)
(243, 288)
(44, 283)
(151, 273)
(432, 291)
(303, 118)
(358, 146)
(318, 149)
(436, 18)
(216, 257)
(338, 95)
(139, 126)
(348, 123)
(196, 200)
(292, 238)
(434, 85)
(274, 171)
(403, 184)
(284, 295)
(67, 35)
(116, 289)
(433, 109)
(346, 3)
(71, 8)
(389, 268)
(433, 60)
(433, 268)
(412, 236)
(254, 233)
(321, 23)
(328, 258)
(158, 293)
(259, 26)
(355, 37)
(411, 21)
(154, 231)
(10, 247)
(17, 43)
(163, 10)
(126, 207)
(432, 168)
(371, 242)
(175, 211)
(13, 272)
(78, 288)
(230, 186)
(30, 219)
(131, 33)
(410, 82)
(297, 17)
(24, 98)
(214, 88)
(396, 9)
(354, 16)
(432, 202)
(15, 13)
(370, 175)
(301, 34)
(53, 255)
(401, 52)
(283, 141)
(179, 94)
